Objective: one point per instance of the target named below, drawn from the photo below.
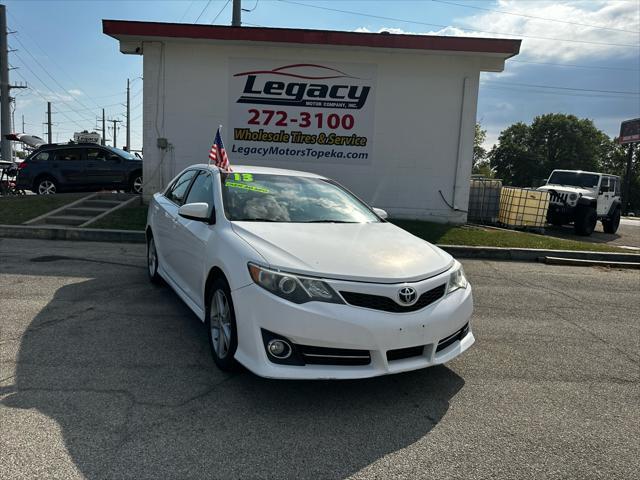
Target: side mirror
(381, 213)
(195, 211)
(604, 189)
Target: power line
(561, 94)
(551, 87)
(248, 10)
(220, 12)
(597, 67)
(187, 11)
(453, 26)
(205, 7)
(534, 17)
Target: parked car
(583, 198)
(53, 168)
(295, 277)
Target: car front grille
(333, 356)
(402, 353)
(556, 197)
(451, 339)
(387, 304)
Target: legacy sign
(301, 112)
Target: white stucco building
(389, 116)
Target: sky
(577, 56)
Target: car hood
(566, 189)
(369, 252)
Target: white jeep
(583, 198)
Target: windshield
(283, 198)
(574, 179)
(122, 153)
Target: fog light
(279, 348)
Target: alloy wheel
(46, 187)
(137, 185)
(220, 324)
(152, 258)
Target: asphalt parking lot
(628, 234)
(106, 376)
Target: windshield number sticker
(243, 177)
(243, 186)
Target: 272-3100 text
(280, 118)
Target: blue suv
(56, 168)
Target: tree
(525, 155)
(481, 164)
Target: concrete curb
(588, 263)
(72, 233)
(458, 251)
(532, 254)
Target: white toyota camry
(295, 277)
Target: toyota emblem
(407, 295)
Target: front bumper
(349, 327)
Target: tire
(585, 223)
(221, 326)
(152, 262)
(45, 186)
(556, 220)
(135, 184)
(611, 224)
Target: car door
(194, 237)
(605, 194)
(104, 168)
(166, 220)
(68, 166)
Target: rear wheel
(221, 326)
(45, 186)
(611, 224)
(585, 223)
(135, 184)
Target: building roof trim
(123, 28)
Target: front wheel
(585, 223)
(611, 224)
(221, 326)
(152, 262)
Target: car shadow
(567, 232)
(124, 368)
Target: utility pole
(128, 119)
(5, 116)
(627, 181)
(49, 135)
(237, 12)
(104, 130)
(23, 123)
(115, 126)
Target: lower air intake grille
(379, 302)
(451, 339)
(333, 356)
(402, 353)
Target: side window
(202, 190)
(604, 184)
(42, 156)
(617, 186)
(70, 155)
(97, 154)
(178, 190)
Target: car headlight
(294, 288)
(457, 280)
(573, 196)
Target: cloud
(534, 32)
(75, 92)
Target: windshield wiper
(255, 220)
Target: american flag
(218, 155)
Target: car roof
(584, 171)
(261, 170)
